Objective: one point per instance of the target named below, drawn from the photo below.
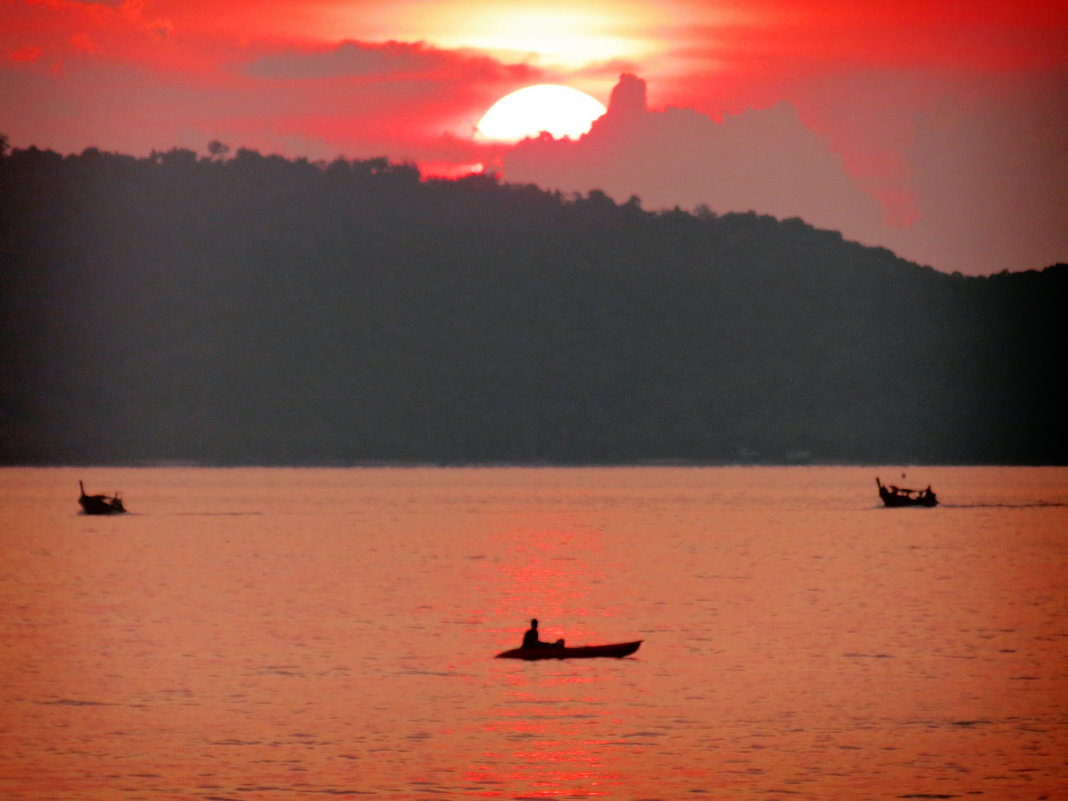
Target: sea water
(329, 633)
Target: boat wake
(215, 514)
(1035, 505)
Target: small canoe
(616, 650)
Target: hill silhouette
(264, 310)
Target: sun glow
(560, 111)
(559, 33)
(560, 37)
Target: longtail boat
(100, 504)
(902, 496)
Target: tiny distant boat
(100, 504)
(617, 650)
(900, 496)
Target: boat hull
(616, 650)
(93, 506)
(894, 501)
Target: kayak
(617, 650)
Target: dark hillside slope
(267, 311)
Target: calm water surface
(306, 634)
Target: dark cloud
(398, 60)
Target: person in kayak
(531, 640)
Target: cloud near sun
(935, 129)
(395, 61)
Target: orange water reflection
(800, 641)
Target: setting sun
(558, 110)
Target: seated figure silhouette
(531, 640)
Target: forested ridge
(259, 310)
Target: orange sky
(949, 118)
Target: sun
(558, 110)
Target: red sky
(937, 129)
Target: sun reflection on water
(544, 764)
(553, 574)
(557, 735)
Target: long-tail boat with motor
(902, 496)
(100, 504)
(553, 651)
